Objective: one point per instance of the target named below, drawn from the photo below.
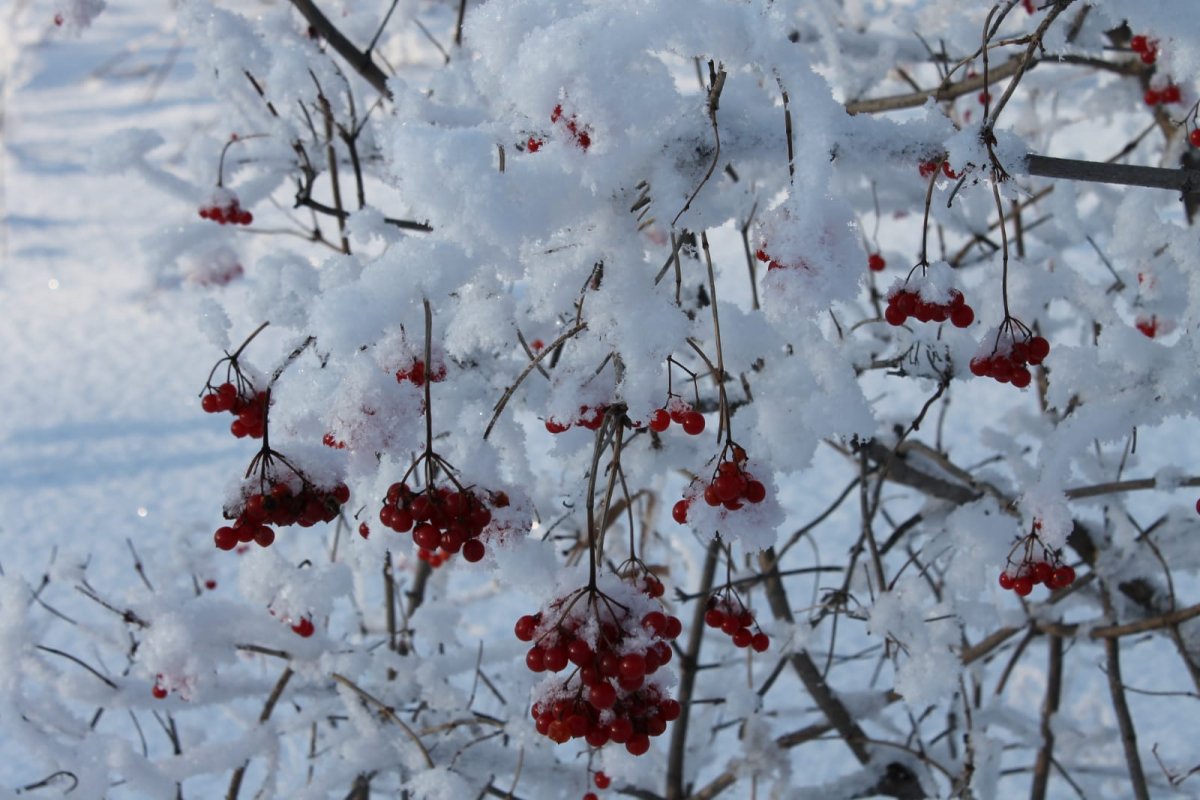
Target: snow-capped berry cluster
(727, 613)
(729, 486)
(1009, 360)
(1145, 47)
(279, 505)
(248, 406)
(930, 167)
(416, 373)
(579, 134)
(444, 520)
(1030, 562)
(1149, 326)
(681, 413)
(224, 208)
(904, 303)
(615, 647)
(304, 628)
(1165, 96)
(590, 417)
(1024, 578)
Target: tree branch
(360, 61)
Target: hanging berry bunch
(223, 207)
(444, 516)
(927, 298)
(237, 395)
(277, 497)
(726, 612)
(444, 520)
(1013, 349)
(612, 644)
(730, 486)
(676, 409)
(589, 417)
(1031, 562)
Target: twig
(359, 60)
(1041, 768)
(687, 679)
(1137, 779)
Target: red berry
(660, 421)
(756, 492)
(632, 666)
(895, 316)
(715, 618)
(602, 695)
(674, 628)
(1171, 94)
(727, 487)
(1149, 56)
(554, 426)
(1064, 576)
(304, 628)
(533, 145)
(1039, 348)
(1139, 44)
(555, 658)
(590, 796)
(473, 551)
(876, 263)
(1022, 586)
(962, 316)
(535, 660)
(693, 423)
(760, 642)
(158, 691)
(225, 538)
(525, 628)
(638, 744)
(1041, 572)
(1194, 138)
(602, 780)
(1006, 581)
(1152, 98)
(679, 511)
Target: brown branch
(235, 781)
(1112, 652)
(1041, 768)
(687, 679)
(1184, 180)
(359, 60)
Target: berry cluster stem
(723, 423)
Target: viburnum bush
(666, 336)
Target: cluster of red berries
(1164, 96)
(1012, 366)
(727, 613)
(875, 262)
(249, 407)
(905, 303)
(304, 628)
(590, 417)
(225, 209)
(681, 413)
(580, 135)
(606, 698)
(931, 166)
(730, 485)
(762, 255)
(279, 506)
(416, 373)
(444, 520)
(1030, 574)
(1149, 326)
(1145, 47)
